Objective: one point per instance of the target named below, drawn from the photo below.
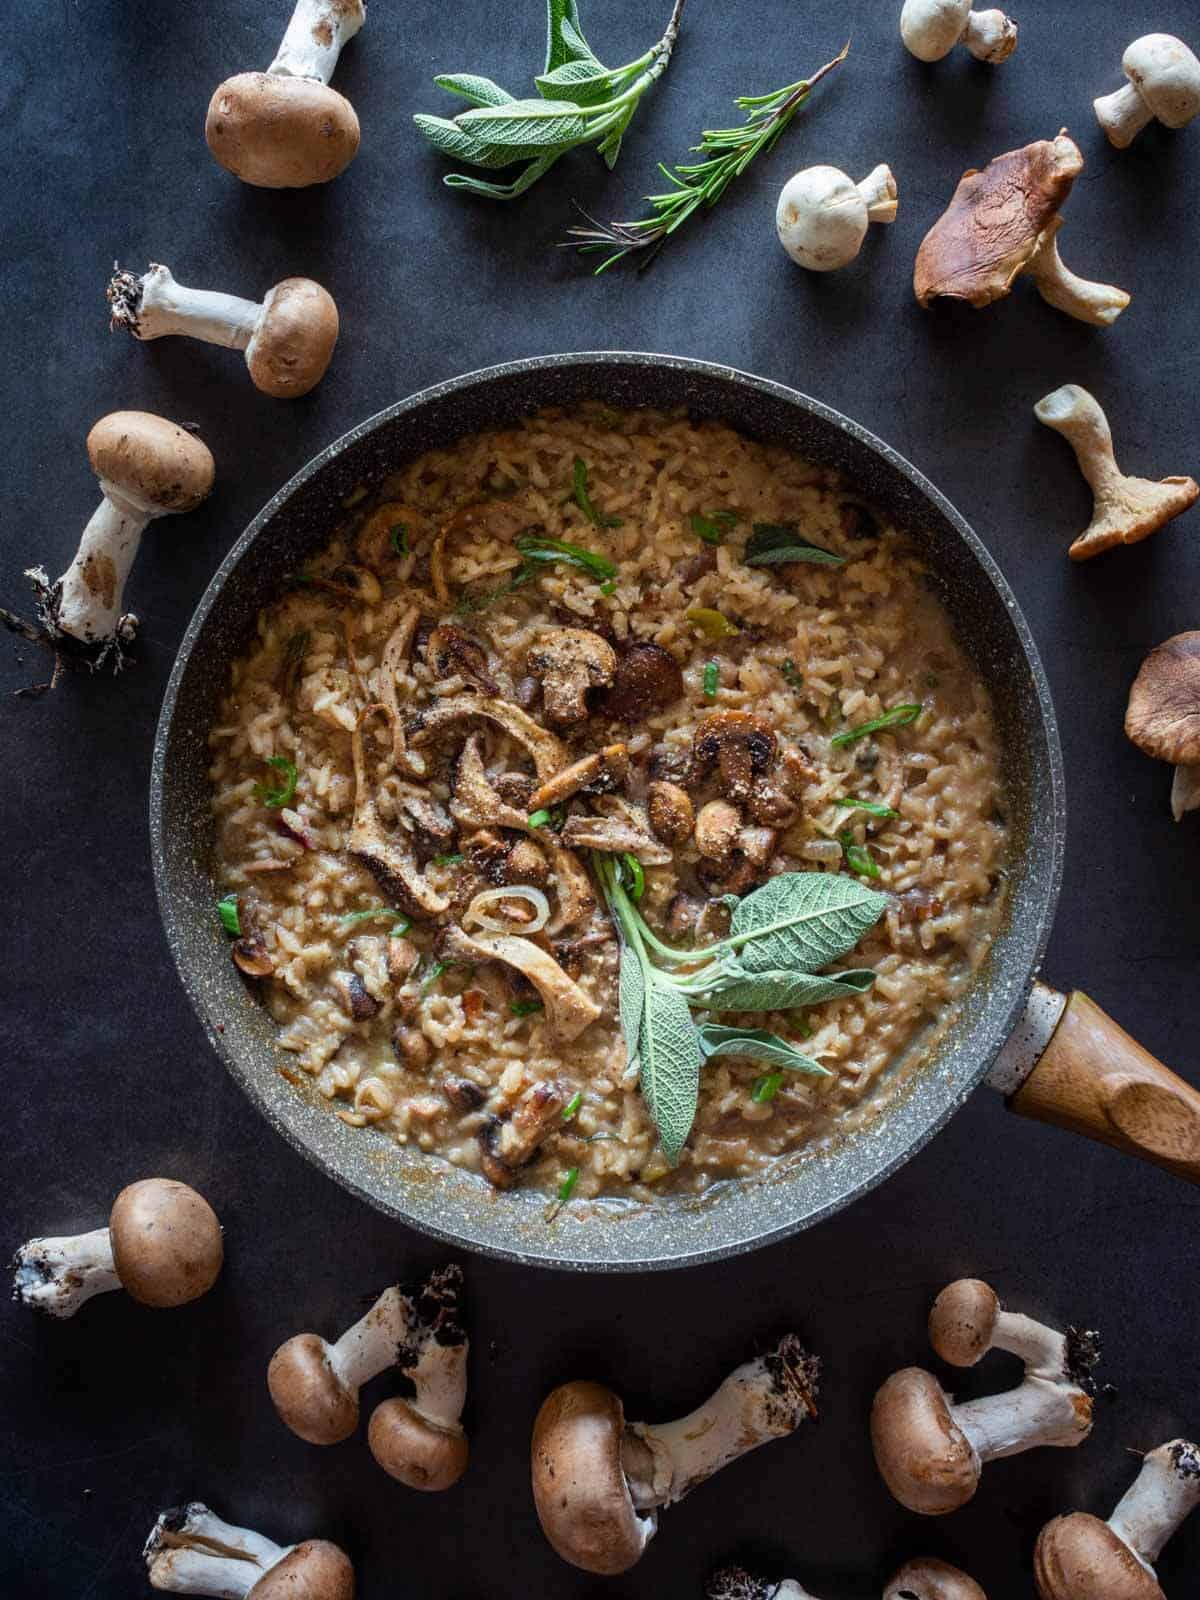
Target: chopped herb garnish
(539, 819)
(773, 544)
(633, 876)
(400, 923)
(871, 807)
(583, 498)
(451, 860)
(525, 1008)
(536, 547)
(712, 678)
(567, 1187)
(858, 858)
(434, 973)
(803, 1027)
(274, 799)
(399, 537)
(299, 579)
(897, 717)
(792, 675)
(766, 1088)
(572, 1106)
(713, 527)
(712, 624)
(608, 586)
(231, 920)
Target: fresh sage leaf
(735, 989)
(564, 34)
(771, 544)
(481, 91)
(583, 83)
(801, 921)
(529, 127)
(669, 1054)
(632, 995)
(501, 191)
(758, 1045)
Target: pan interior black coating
(422, 1190)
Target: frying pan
(1057, 1059)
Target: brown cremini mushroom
(1164, 85)
(740, 746)
(1125, 510)
(287, 338)
(717, 828)
(1002, 222)
(926, 1578)
(285, 128)
(162, 1246)
(670, 810)
(1078, 1557)
(569, 662)
(1163, 715)
(599, 1481)
(508, 1143)
(647, 679)
(192, 1551)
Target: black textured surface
(110, 1418)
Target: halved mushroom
(570, 661)
(670, 809)
(599, 773)
(192, 1551)
(545, 749)
(506, 1144)
(926, 1578)
(387, 855)
(1163, 715)
(717, 829)
(647, 679)
(568, 1009)
(450, 649)
(740, 745)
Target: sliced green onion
(399, 537)
(451, 860)
(713, 527)
(432, 976)
(567, 1187)
(538, 819)
(608, 586)
(273, 799)
(534, 547)
(712, 678)
(583, 498)
(525, 1008)
(766, 1088)
(400, 923)
(897, 717)
(712, 624)
(871, 807)
(572, 1106)
(634, 872)
(791, 673)
(858, 858)
(227, 910)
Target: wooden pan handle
(1095, 1080)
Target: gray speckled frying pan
(1048, 1067)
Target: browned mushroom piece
(386, 536)
(387, 854)
(251, 956)
(1078, 1557)
(599, 773)
(162, 1246)
(508, 1143)
(717, 828)
(192, 1551)
(647, 679)
(525, 862)
(739, 746)
(568, 1009)
(450, 650)
(624, 833)
(569, 662)
(1163, 715)
(1002, 221)
(770, 807)
(670, 810)
(355, 997)
(545, 749)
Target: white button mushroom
(285, 128)
(926, 1578)
(148, 467)
(931, 28)
(598, 1481)
(1164, 83)
(1125, 510)
(822, 217)
(930, 1452)
(287, 338)
(162, 1246)
(192, 1551)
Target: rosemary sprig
(727, 153)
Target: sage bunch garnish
(779, 937)
(727, 153)
(583, 103)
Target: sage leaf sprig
(775, 544)
(727, 152)
(778, 936)
(582, 102)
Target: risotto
(599, 646)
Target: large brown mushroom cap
(166, 1242)
(926, 1578)
(989, 231)
(923, 1455)
(1080, 1558)
(293, 344)
(153, 461)
(1163, 714)
(308, 1395)
(314, 1570)
(579, 1487)
(279, 132)
(963, 1320)
(414, 1450)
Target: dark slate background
(109, 1418)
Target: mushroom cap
(293, 343)
(1167, 76)
(821, 218)
(166, 1242)
(309, 1396)
(1078, 1557)
(648, 679)
(1163, 714)
(931, 28)
(414, 1450)
(963, 1320)
(579, 1488)
(279, 132)
(314, 1570)
(926, 1578)
(923, 1455)
(154, 462)
(988, 232)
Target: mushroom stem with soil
(1078, 1557)
(285, 128)
(1125, 509)
(925, 1578)
(287, 337)
(162, 1246)
(192, 1551)
(1163, 715)
(599, 1481)
(1164, 85)
(930, 1451)
(822, 216)
(931, 29)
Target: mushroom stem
(192, 1551)
(58, 1276)
(1163, 1494)
(1043, 1350)
(761, 1400)
(440, 1379)
(155, 305)
(1074, 413)
(370, 1346)
(86, 602)
(1122, 114)
(315, 36)
(1098, 303)
(878, 189)
(990, 36)
(1037, 1412)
